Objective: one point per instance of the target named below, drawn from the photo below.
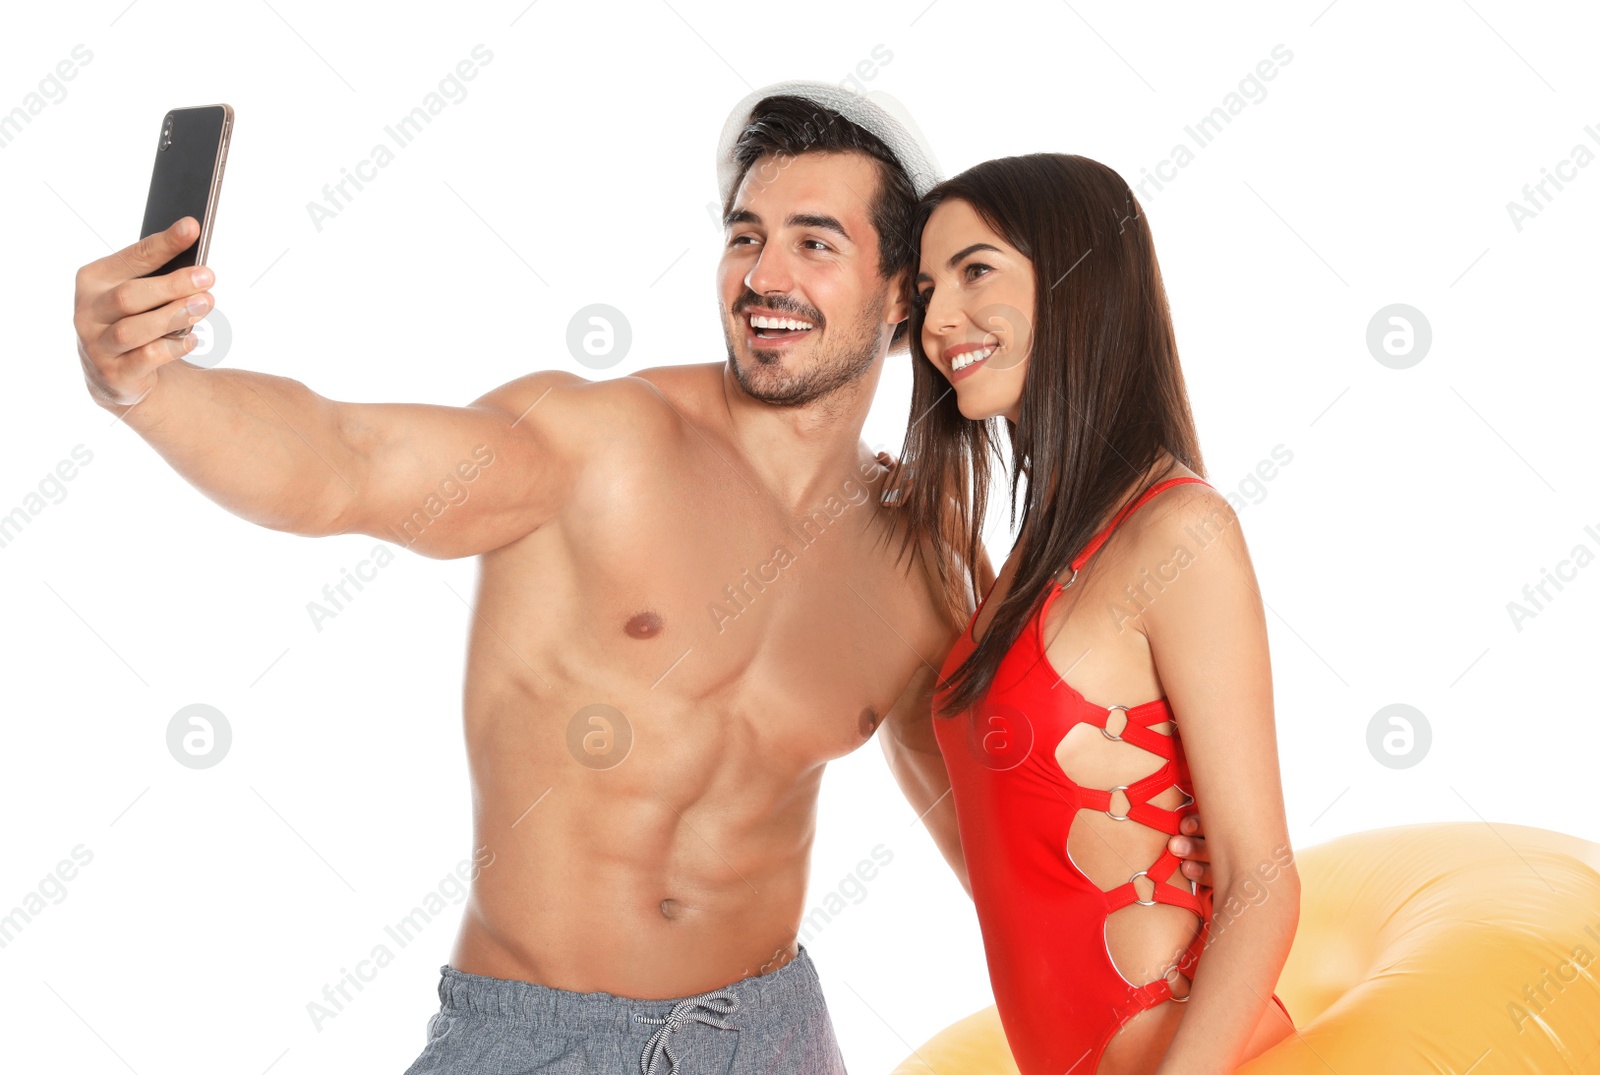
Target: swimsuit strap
(1100, 538)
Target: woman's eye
(975, 265)
(922, 298)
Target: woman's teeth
(967, 358)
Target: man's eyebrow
(795, 220)
(818, 220)
(955, 259)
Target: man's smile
(774, 327)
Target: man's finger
(133, 333)
(153, 251)
(146, 293)
(1189, 847)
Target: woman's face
(977, 294)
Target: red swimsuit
(1060, 996)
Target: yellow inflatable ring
(1438, 948)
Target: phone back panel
(186, 165)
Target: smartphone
(187, 179)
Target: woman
(1039, 300)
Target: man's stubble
(842, 364)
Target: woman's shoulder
(1190, 529)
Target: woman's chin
(977, 410)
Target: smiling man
(645, 772)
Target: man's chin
(770, 376)
(753, 348)
(756, 357)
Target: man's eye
(815, 242)
(737, 239)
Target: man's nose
(770, 274)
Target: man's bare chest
(696, 593)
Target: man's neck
(802, 455)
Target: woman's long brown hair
(1102, 397)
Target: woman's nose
(941, 318)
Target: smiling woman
(1039, 313)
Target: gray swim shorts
(771, 1024)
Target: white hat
(876, 112)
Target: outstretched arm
(272, 451)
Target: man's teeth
(757, 321)
(967, 358)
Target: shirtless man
(689, 603)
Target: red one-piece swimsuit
(1060, 996)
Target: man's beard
(843, 363)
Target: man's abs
(641, 890)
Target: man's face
(804, 311)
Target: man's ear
(898, 308)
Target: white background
(1418, 502)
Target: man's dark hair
(790, 126)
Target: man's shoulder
(650, 401)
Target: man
(689, 603)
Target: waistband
(773, 995)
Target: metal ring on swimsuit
(1108, 735)
(1073, 579)
(1115, 817)
(1194, 888)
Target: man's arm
(913, 755)
(459, 481)
(445, 481)
(909, 744)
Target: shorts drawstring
(720, 1001)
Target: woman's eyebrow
(974, 248)
(955, 258)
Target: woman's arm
(1208, 635)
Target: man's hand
(122, 319)
(891, 496)
(1191, 847)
